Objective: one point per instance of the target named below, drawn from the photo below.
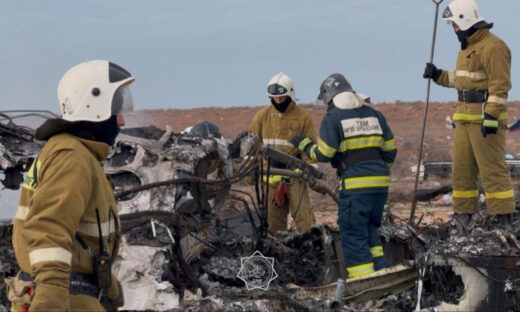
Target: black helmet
(330, 87)
(206, 130)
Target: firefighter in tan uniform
(276, 125)
(66, 230)
(482, 79)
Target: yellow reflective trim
(451, 78)
(281, 142)
(304, 143)
(497, 99)
(29, 181)
(366, 182)
(91, 229)
(474, 117)
(21, 213)
(359, 270)
(326, 149)
(470, 75)
(389, 165)
(377, 251)
(500, 195)
(273, 179)
(388, 145)
(312, 153)
(465, 194)
(363, 142)
(50, 254)
(490, 123)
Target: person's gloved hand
(489, 125)
(431, 71)
(302, 142)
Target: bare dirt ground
(405, 120)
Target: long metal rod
(414, 201)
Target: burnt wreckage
(188, 224)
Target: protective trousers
(472, 152)
(299, 205)
(359, 217)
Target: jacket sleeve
(447, 79)
(59, 201)
(497, 63)
(308, 131)
(389, 149)
(328, 142)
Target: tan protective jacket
(484, 65)
(277, 129)
(64, 186)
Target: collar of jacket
(477, 36)
(290, 108)
(350, 100)
(98, 149)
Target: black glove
(302, 142)
(234, 147)
(489, 125)
(431, 71)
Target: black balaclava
(104, 131)
(463, 36)
(282, 107)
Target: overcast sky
(222, 53)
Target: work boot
(380, 263)
(505, 221)
(460, 222)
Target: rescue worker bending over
(66, 230)
(275, 125)
(482, 78)
(357, 141)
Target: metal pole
(414, 202)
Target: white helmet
(464, 13)
(281, 85)
(94, 91)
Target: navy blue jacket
(360, 145)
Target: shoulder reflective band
(50, 254)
